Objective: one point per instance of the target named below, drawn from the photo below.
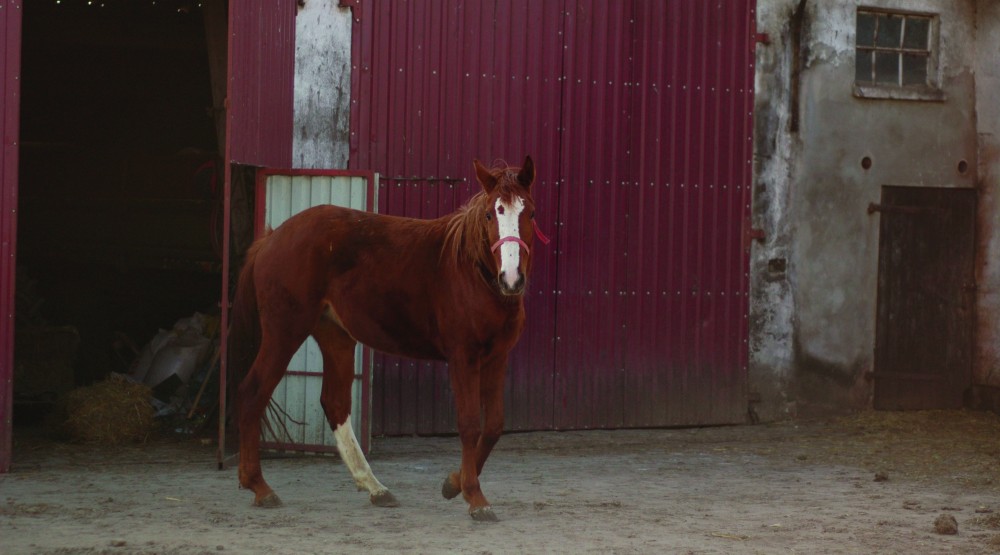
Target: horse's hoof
(269, 501)
(384, 499)
(448, 490)
(483, 514)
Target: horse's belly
(405, 345)
(391, 332)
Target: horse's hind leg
(338, 377)
(255, 393)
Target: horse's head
(510, 211)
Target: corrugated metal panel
(261, 81)
(593, 242)
(10, 72)
(259, 119)
(638, 117)
(284, 194)
(528, 119)
(437, 84)
(653, 291)
(411, 396)
(687, 305)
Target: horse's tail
(244, 329)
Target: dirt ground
(869, 483)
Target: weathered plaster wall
(813, 325)
(322, 85)
(986, 370)
(772, 303)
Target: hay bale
(110, 412)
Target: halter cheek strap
(513, 239)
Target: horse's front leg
(477, 444)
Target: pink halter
(509, 239)
(512, 239)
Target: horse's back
(328, 237)
(377, 274)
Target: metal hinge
(751, 234)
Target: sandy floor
(872, 483)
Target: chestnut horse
(448, 289)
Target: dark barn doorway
(926, 294)
(119, 231)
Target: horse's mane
(466, 236)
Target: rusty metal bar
(903, 209)
(910, 376)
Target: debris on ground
(946, 524)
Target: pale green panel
(299, 396)
(315, 418)
(359, 190)
(301, 194)
(279, 200)
(340, 192)
(302, 401)
(295, 405)
(322, 191)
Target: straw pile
(110, 412)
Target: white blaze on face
(508, 218)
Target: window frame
(930, 91)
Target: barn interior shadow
(120, 213)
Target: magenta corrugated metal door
(593, 207)
(261, 82)
(10, 101)
(638, 118)
(686, 294)
(259, 119)
(435, 85)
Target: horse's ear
(484, 176)
(527, 174)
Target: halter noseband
(509, 239)
(513, 239)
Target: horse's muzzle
(511, 289)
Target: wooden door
(926, 291)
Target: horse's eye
(532, 214)
(489, 215)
